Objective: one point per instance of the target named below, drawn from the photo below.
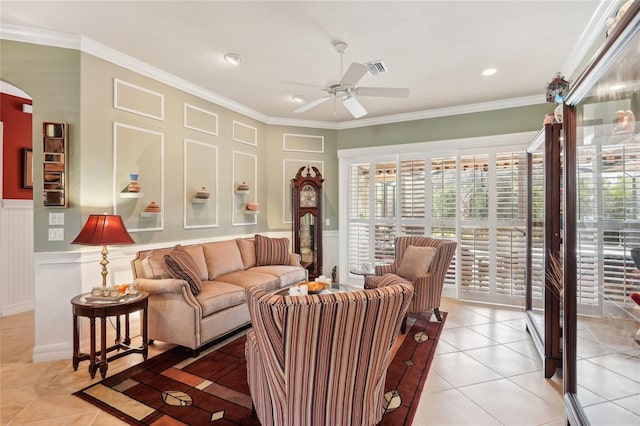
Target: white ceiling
(436, 48)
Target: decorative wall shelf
(242, 191)
(252, 212)
(150, 214)
(126, 194)
(54, 167)
(198, 200)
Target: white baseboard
(17, 308)
(52, 352)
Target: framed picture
(27, 168)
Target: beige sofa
(183, 314)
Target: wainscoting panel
(16, 260)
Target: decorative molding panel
(302, 143)
(138, 100)
(244, 133)
(140, 151)
(200, 170)
(289, 169)
(245, 169)
(200, 119)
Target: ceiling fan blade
(355, 72)
(312, 104)
(390, 92)
(354, 107)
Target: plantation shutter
(359, 235)
(511, 236)
(444, 184)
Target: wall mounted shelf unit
(55, 148)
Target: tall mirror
(602, 378)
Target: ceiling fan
(346, 90)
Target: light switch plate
(56, 218)
(327, 222)
(56, 234)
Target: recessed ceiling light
(297, 99)
(489, 71)
(233, 58)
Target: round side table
(102, 310)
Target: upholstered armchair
(322, 359)
(423, 262)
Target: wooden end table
(92, 310)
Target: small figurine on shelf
(243, 187)
(153, 207)
(203, 194)
(134, 186)
(254, 207)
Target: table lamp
(101, 230)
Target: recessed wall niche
(289, 169)
(245, 169)
(200, 171)
(138, 151)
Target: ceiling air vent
(376, 67)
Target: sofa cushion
(271, 251)
(287, 274)
(244, 279)
(216, 296)
(222, 257)
(416, 262)
(197, 254)
(247, 252)
(181, 266)
(154, 266)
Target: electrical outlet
(56, 234)
(327, 222)
(56, 218)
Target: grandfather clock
(307, 219)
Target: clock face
(308, 196)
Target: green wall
(496, 122)
(51, 76)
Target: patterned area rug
(174, 388)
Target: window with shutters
(477, 199)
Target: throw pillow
(271, 251)
(197, 254)
(247, 251)
(182, 266)
(416, 262)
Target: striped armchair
(322, 359)
(427, 286)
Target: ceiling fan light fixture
(233, 58)
(297, 99)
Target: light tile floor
(486, 372)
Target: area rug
(174, 388)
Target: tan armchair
(425, 271)
(322, 359)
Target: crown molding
(111, 55)
(39, 36)
(87, 45)
(590, 35)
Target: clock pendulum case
(307, 219)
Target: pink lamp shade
(102, 230)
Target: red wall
(17, 135)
